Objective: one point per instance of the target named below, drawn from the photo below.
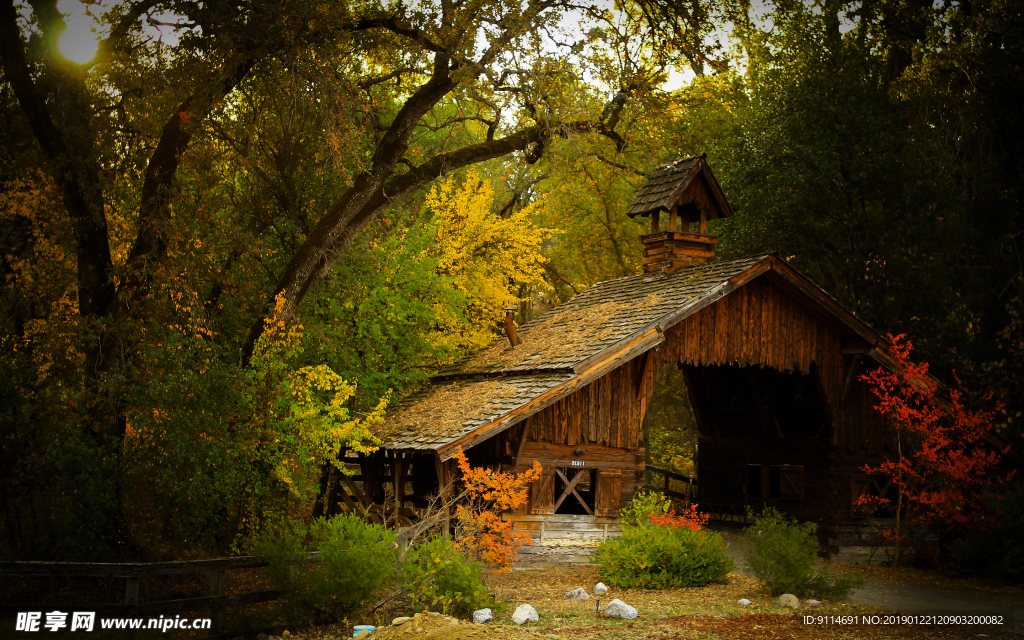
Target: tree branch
(149, 245)
(118, 34)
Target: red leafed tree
(939, 466)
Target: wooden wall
(762, 324)
(604, 420)
(607, 412)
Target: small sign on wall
(578, 463)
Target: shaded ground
(917, 592)
(698, 613)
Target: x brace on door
(570, 487)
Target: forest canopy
(238, 223)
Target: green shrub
(831, 584)
(440, 577)
(782, 554)
(657, 557)
(645, 503)
(355, 558)
(993, 553)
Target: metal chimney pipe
(510, 326)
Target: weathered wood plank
(561, 518)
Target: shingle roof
(444, 412)
(555, 348)
(661, 186)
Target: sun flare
(79, 45)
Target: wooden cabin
(770, 361)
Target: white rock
(397, 622)
(480, 616)
(619, 609)
(579, 593)
(525, 613)
(788, 600)
(744, 602)
(812, 603)
(600, 588)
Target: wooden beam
(655, 219)
(850, 371)
(359, 495)
(401, 470)
(522, 442)
(817, 295)
(216, 613)
(644, 372)
(344, 494)
(698, 410)
(851, 347)
(570, 486)
(672, 218)
(624, 351)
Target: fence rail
(689, 493)
(215, 603)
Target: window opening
(575, 491)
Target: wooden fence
(215, 603)
(689, 492)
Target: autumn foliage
(939, 465)
(490, 493)
(691, 519)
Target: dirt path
(915, 600)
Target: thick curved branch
(72, 166)
(118, 34)
(149, 245)
(371, 191)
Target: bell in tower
(687, 191)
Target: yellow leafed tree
(486, 255)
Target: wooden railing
(689, 492)
(215, 603)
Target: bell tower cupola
(688, 193)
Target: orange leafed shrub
(690, 519)
(491, 492)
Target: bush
(644, 505)
(782, 554)
(439, 576)
(355, 558)
(663, 557)
(993, 553)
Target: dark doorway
(758, 402)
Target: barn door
(860, 485)
(791, 482)
(609, 492)
(542, 493)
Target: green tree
(187, 186)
